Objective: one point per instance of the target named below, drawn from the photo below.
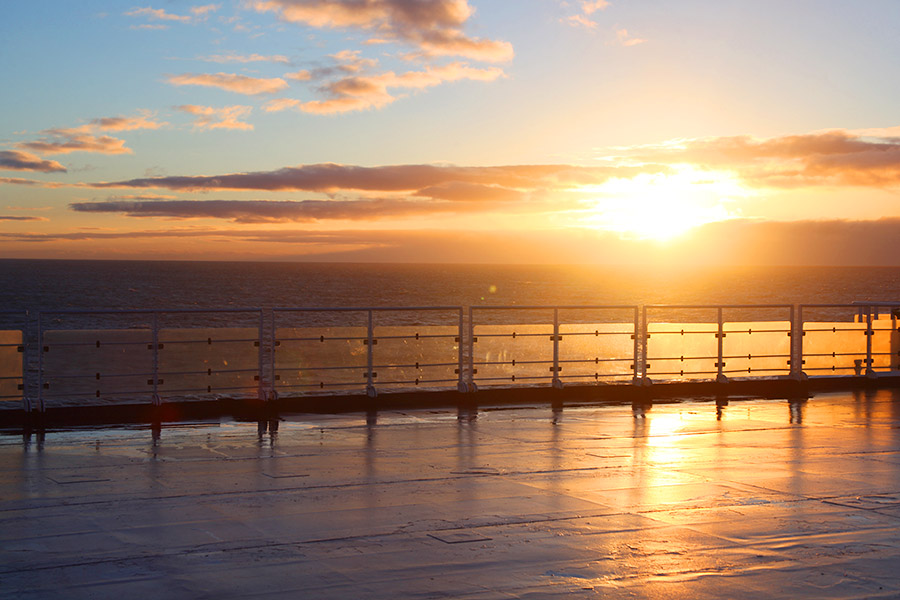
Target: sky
(622, 132)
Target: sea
(47, 285)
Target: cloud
(833, 158)
(362, 92)
(20, 181)
(626, 39)
(583, 19)
(331, 177)
(227, 117)
(23, 161)
(203, 11)
(143, 121)
(245, 58)
(198, 13)
(592, 6)
(737, 242)
(240, 84)
(272, 211)
(434, 27)
(17, 218)
(580, 21)
(63, 140)
(157, 14)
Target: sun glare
(664, 206)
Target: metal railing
(354, 351)
(13, 357)
(147, 358)
(691, 345)
(534, 360)
(76, 357)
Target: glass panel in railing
(596, 351)
(416, 356)
(757, 348)
(105, 364)
(884, 344)
(314, 359)
(10, 365)
(834, 348)
(520, 353)
(682, 350)
(199, 361)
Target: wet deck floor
(755, 499)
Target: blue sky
(640, 124)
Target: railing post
(472, 386)
(260, 361)
(644, 343)
(636, 368)
(370, 362)
(870, 333)
(461, 378)
(720, 336)
(273, 343)
(40, 362)
(26, 353)
(154, 333)
(797, 343)
(557, 382)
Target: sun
(664, 206)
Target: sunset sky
(534, 131)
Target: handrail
(565, 358)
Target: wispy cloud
(624, 38)
(23, 161)
(227, 117)
(231, 57)
(331, 177)
(21, 218)
(231, 82)
(588, 8)
(434, 27)
(63, 140)
(276, 211)
(198, 13)
(362, 92)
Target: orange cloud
(626, 39)
(227, 117)
(828, 158)
(240, 84)
(362, 92)
(23, 161)
(434, 27)
(63, 140)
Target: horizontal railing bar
(102, 376)
(367, 308)
(559, 307)
(517, 363)
(593, 360)
(208, 373)
(595, 333)
(198, 341)
(703, 306)
(149, 311)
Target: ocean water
(41, 285)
